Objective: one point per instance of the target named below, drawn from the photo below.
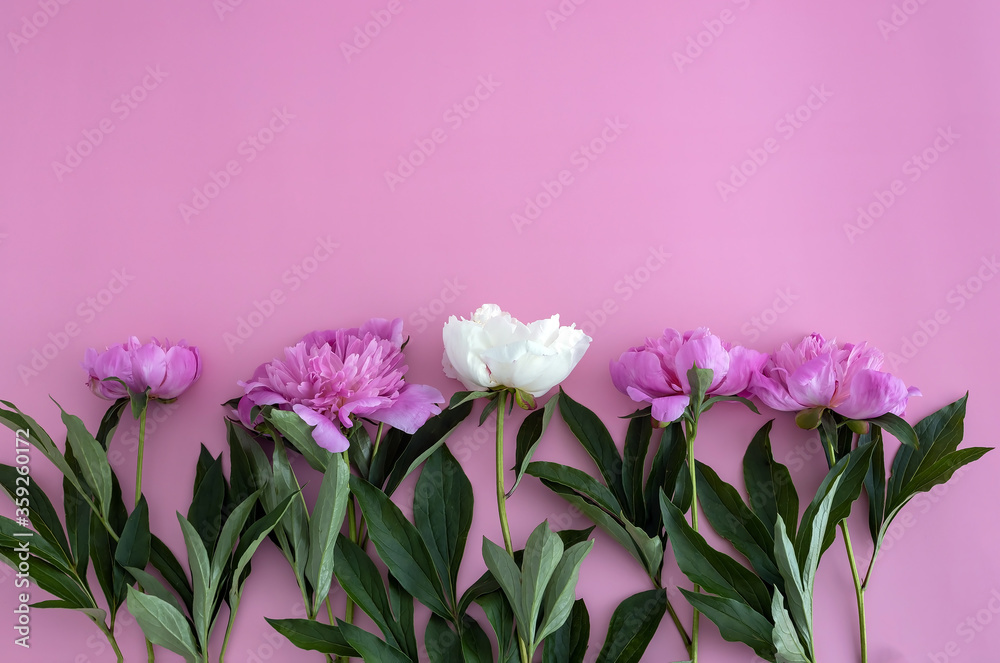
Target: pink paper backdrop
(241, 172)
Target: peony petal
(874, 393)
(149, 366)
(327, 434)
(390, 330)
(743, 364)
(773, 393)
(814, 383)
(415, 404)
(670, 408)
(703, 350)
(181, 372)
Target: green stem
(859, 592)
(691, 431)
(110, 635)
(378, 438)
(501, 491)
(142, 444)
(673, 616)
(150, 654)
(502, 504)
(229, 629)
(859, 588)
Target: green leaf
(400, 546)
(637, 438)
(542, 553)
(941, 470)
(360, 449)
(443, 645)
(299, 433)
(393, 443)
(314, 636)
(324, 526)
(898, 428)
(733, 520)
(633, 625)
(786, 638)
(43, 516)
(824, 498)
(133, 547)
(201, 579)
(77, 523)
(164, 561)
(501, 619)
(360, 579)
(560, 593)
(28, 429)
(442, 514)
(722, 399)
(229, 535)
(53, 580)
(769, 484)
(598, 504)
(463, 397)
(424, 442)
(402, 608)
(92, 458)
(292, 531)
(102, 554)
(799, 591)
(370, 647)
(476, 645)
(96, 614)
(162, 624)
(249, 469)
(13, 535)
(205, 511)
(508, 576)
(253, 536)
(109, 422)
(569, 643)
(150, 585)
(716, 572)
(596, 440)
(737, 621)
(139, 401)
(849, 489)
(668, 465)
(875, 481)
(491, 406)
(528, 437)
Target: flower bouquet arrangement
(339, 402)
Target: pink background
(762, 263)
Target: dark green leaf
(463, 397)
(849, 489)
(733, 520)
(700, 380)
(569, 643)
(314, 636)
(722, 399)
(164, 561)
(359, 577)
(93, 460)
(737, 621)
(637, 438)
(133, 547)
(402, 608)
(939, 434)
(898, 428)
(53, 580)
(109, 422)
(596, 440)
(299, 434)
(443, 645)
(43, 516)
(370, 647)
(393, 443)
(490, 407)
(77, 520)
(769, 484)
(360, 449)
(668, 464)
(528, 437)
(150, 585)
(633, 625)
(579, 482)
(424, 442)
(205, 512)
(102, 554)
(561, 590)
(442, 514)
(875, 481)
(400, 546)
(476, 645)
(254, 535)
(716, 572)
(501, 619)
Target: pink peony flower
(165, 370)
(818, 373)
(656, 373)
(329, 376)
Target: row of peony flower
(316, 401)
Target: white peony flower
(494, 350)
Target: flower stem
(502, 504)
(109, 633)
(352, 533)
(859, 588)
(673, 616)
(229, 630)
(142, 444)
(691, 431)
(150, 654)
